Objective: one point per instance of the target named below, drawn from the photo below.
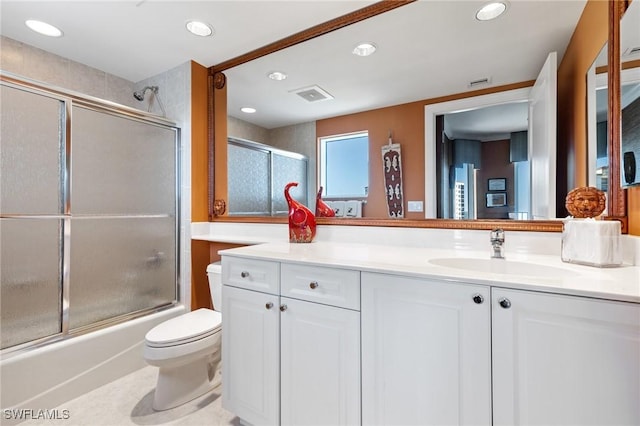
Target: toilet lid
(185, 328)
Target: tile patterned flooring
(127, 401)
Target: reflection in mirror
(312, 64)
(630, 96)
(258, 174)
(483, 158)
(344, 166)
(515, 162)
(597, 131)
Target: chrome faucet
(497, 241)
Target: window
(344, 165)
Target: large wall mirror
(431, 52)
(597, 82)
(630, 96)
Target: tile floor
(127, 401)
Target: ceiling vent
(480, 82)
(313, 94)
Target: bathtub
(46, 377)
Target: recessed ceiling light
(364, 49)
(248, 110)
(491, 11)
(43, 28)
(277, 75)
(199, 28)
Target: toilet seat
(190, 327)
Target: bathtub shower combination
(90, 230)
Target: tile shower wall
(174, 91)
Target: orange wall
(406, 123)
(633, 209)
(199, 184)
(199, 144)
(588, 39)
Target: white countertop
(618, 283)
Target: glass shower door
(31, 205)
(124, 224)
(89, 224)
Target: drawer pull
(269, 305)
(313, 285)
(283, 308)
(504, 302)
(244, 274)
(477, 298)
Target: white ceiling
(139, 39)
(425, 49)
(488, 124)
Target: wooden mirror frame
(217, 112)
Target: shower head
(139, 95)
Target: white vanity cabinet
(438, 352)
(250, 355)
(291, 343)
(374, 336)
(564, 360)
(426, 352)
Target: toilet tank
(214, 273)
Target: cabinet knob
(244, 274)
(478, 299)
(504, 302)
(283, 308)
(313, 285)
(269, 305)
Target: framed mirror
(235, 70)
(630, 96)
(597, 126)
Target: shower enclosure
(88, 213)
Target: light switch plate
(415, 206)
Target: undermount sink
(502, 266)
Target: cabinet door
(425, 352)
(320, 364)
(250, 362)
(562, 360)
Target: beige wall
(241, 129)
(36, 64)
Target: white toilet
(187, 350)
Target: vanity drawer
(330, 286)
(258, 275)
